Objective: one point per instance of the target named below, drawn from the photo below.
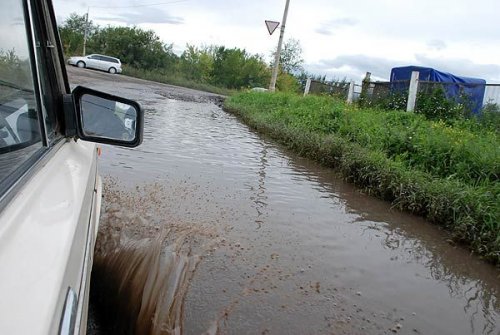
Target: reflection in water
(467, 278)
(321, 240)
(260, 200)
(479, 297)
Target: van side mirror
(108, 119)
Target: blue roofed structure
(455, 87)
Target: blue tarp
(472, 88)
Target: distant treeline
(231, 68)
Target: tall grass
(448, 174)
(174, 79)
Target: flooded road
(274, 243)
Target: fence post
(365, 84)
(412, 92)
(308, 86)
(350, 93)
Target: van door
(94, 62)
(48, 184)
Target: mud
(259, 240)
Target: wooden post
(350, 94)
(308, 86)
(412, 92)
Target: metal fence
(394, 95)
(428, 95)
(385, 94)
(492, 94)
(337, 89)
(356, 92)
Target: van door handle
(68, 319)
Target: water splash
(144, 264)
(142, 286)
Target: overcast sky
(339, 38)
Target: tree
(291, 56)
(72, 32)
(197, 63)
(287, 83)
(235, 68)
(227, 66)
(14, 70)
(134, 46)
(256, 73)
(143, 49)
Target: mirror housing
(104, 118)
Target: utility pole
(272, 85)
(85, 31)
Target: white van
(99, 62)
(50, 190)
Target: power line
(143, 5)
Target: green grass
(174, 79)
(448, 174)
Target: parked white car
(98, 62)
(50, 189)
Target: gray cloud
(360, 64)
(143, 15)
(332, 73)
(18, 21)
(60, 19)
(461, 67)
(324, 31)
(328, 28)
(81, 3)
(436, 44)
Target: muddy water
(282, 245)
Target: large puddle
(256, 240)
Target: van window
(19, 124)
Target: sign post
(85, 31)
(272, 85)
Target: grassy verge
(448, 174)
(174, 79)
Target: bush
(436, 106)
(490, 117)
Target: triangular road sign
(271, 26)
